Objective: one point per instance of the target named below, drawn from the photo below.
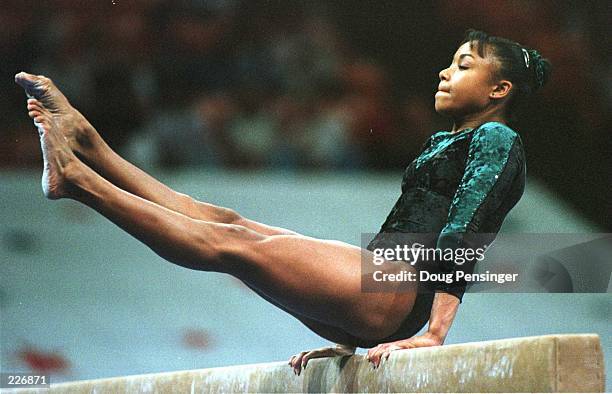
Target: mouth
(443, 89)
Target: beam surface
(550, 363)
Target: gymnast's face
(467, 86)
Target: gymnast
(465, 181)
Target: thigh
(321, 280)
(328, 332)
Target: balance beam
(549, 363)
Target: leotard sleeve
(485, 194)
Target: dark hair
(524, 67)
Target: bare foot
(58, 159)
(46, 98)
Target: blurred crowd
(213, 83)
(292, 84)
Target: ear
(501, 90)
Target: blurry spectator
(18, 50)
(417, 122)
(253, 131)
(372, 125)
(196, 136)
(193, 55)
(327, 139)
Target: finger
(378, 356)
(296, 368)
(298, 362)
(294, 361)
(315, 354)
(372, 351)
(374, 360)
(378, 352)
(370, 356)
(308, 356)
(375, 356)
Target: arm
(443, 312)
(490, 186)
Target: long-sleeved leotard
(461, 184)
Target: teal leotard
(461, 184)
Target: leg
(322, 280)
(84, 140)
(328, 332)
(315, 279)
(275, 265)
(86, 143)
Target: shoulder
(495, 134)
(495, 130)
(437, 135)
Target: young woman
(465, 181)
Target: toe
(34, 105)
(40, 121)
(24, 78)
(30, 83)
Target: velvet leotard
(461, 183)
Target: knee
(212, 213)
(235, 242)
(235, 232)
(204, 245)
(217, 247)
(228, 215)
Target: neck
(475, 120)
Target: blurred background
(344, 85)
(298, 114)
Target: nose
(443, 74)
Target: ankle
(73, 173)
(88, 141)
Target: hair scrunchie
(532, 58)
(539, 68)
